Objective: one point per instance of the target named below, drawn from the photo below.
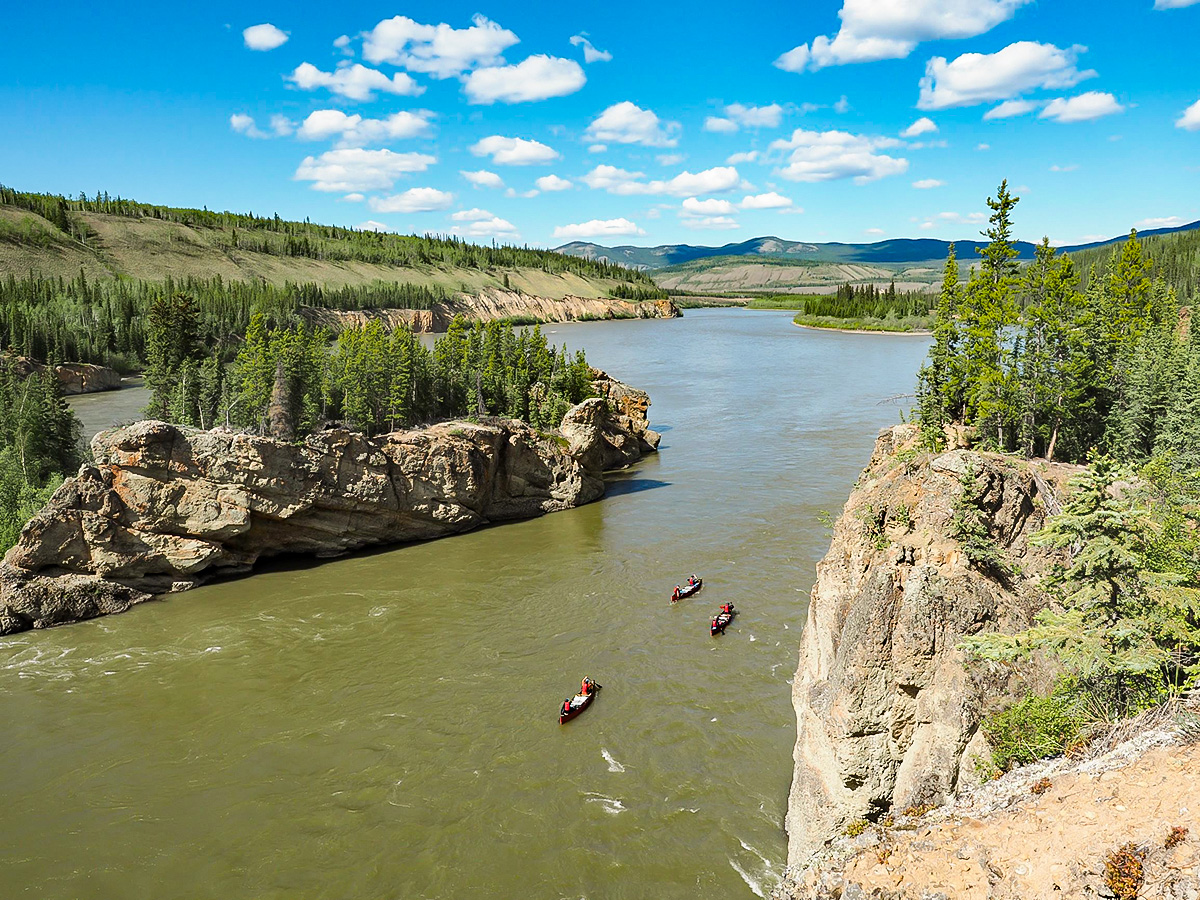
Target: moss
(857, 827)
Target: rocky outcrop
(165, 508)
(887, 714)
(1045, 830)
(75, 378)
(491, 305)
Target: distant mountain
(898, 251)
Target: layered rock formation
(165, 508)
(75, 378)
(1048, 829)
(491, 305)
(888, 716)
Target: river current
(384, 726)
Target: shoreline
(865, 330)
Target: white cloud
(355, 82)
(354, 130)
(438, 50)
(1083, 108)
(372, 225)
(685, 184)
(597, 228)
(719, 125)
(874, 232)
(1174, 4)
(244, 124)
(536, 78)
(494, 227)
(472, 215)
(264, 37)
(627, 123)
(843, 105)
(923, 125)
(353, 198)
(670, 159)
(597, 148)
(983, 146)
(510, 151)
(590, 53)
(483, 178)
(1190, 120)
(360, 170)
(1010, 108)
(710, 207)
(769, 200)
(926, 183)
(413, 200)
(832, 155)
(884, 29)
(714, 223)
(750, 156)
(552, 183)
(981, 77)
(1068, 168)
(1162, 222)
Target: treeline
(39, 444)
(1110, 368)
(104, 321)
(867, 301)
(1108, 374)
(285, 381)
(279, 237)
(1174, 260)
(638, 293)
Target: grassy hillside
(734, 274)
(105, 237)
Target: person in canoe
(566, 708)
(727, 608)
(675, 594)
(586, 686)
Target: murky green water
(384, 726)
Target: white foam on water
(753, 638)
(613, 765)
(212, 649)
(785, 626)
(714, 718)
(377, 611)
(610, 805)
(751, 882)
(766, 862)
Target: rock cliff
(887, 714)
(490, 305)
(75, 378)
(165, 508)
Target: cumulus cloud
(483, 178)
(714, 223)
(685, 184)
(475, 214)
(597, 228)
(590, 53)
(923, 125)
(552, 183)
(482, 223)
(438, 50)
(1083, 108)
(982, 77)
(536, 78)
(1163, 222)
(1057, 168)
(670, 159)
(1190, 120)
(355, 82)
(510, 151)
(739, 115)
(372, 225)
(424, 199)
(832, 155)
(720, 125)
(1174, 4)
(354, 130)
(628, 123)
(244, 124)
(1010, 108)
(884, 29)
(264, 37)
(747, 157)
(874, 232)
(711, 207)
(927, 183)
(769, 200)
(360, 170)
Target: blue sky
(638, 123)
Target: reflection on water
(385, 725)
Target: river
(383, 726)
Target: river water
(384, 726)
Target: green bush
(1035, 728)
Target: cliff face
(75, 378)
(165, 508)
(490, 305)
(887, 715)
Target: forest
(1104, 371)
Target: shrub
(1033, 729)
(1123, 871)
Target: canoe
(579, 703)
(721, 621)
(687, 590)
